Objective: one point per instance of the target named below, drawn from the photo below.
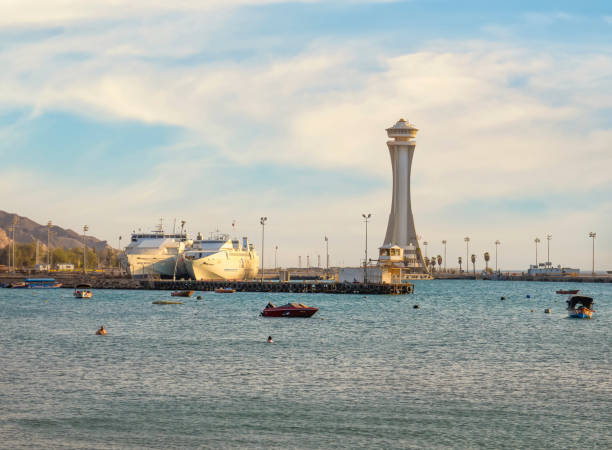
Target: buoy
(416, 306)
(532, 310)
(503, 298)
(547, 311)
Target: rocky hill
(28, 231)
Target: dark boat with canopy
(580, 307)
(289, 310)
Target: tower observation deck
(400, 256)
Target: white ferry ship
(156, 254)
(221, 258)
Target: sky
(115, 114)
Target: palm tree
(474, 264)
(487, 257)
(433, 263)
(459, 260)
(439, 258)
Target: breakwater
(304, 287)
(310, 287)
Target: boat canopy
(575, 300)
(83, 286)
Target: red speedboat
(182, 293)
(571, 292)
(289, 310)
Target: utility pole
(365, 262)
(275, 254)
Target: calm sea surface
(464, 370)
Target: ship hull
(232, 268)
(142, 265)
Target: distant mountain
(28, 231)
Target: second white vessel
(221, 258)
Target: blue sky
(219, 111)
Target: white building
(545, 269)
(64, 266)
(355, 275)
(400, 256)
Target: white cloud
(496, 121)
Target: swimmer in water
(101, 331)
(270, 340)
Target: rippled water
(464, 370)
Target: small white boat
(83, 291)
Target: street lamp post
(444, 242)
(425, 243)
(548, 238)
(537, 241)
(262, 221)
(366, 217)
(15, 222)
(85, 228)
(118, 262)
(327, 253)
(9, 252)
(592, 235)
(496, 244)
(467, 250)
(49, 224)
(275, 255)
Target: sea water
(466, 369)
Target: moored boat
(182, 293)
(42, 283)
(568, 292)
(225, 290)
(289, 310)
(83, 291)
(580, 307)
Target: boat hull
(182, 293)
(142, 265)
(222, 268)
(289, 312)
(581, 313)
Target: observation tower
(400, 257)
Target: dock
(287, 287)
(99, 281)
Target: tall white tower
(400, 252)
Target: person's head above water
(269, 338)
